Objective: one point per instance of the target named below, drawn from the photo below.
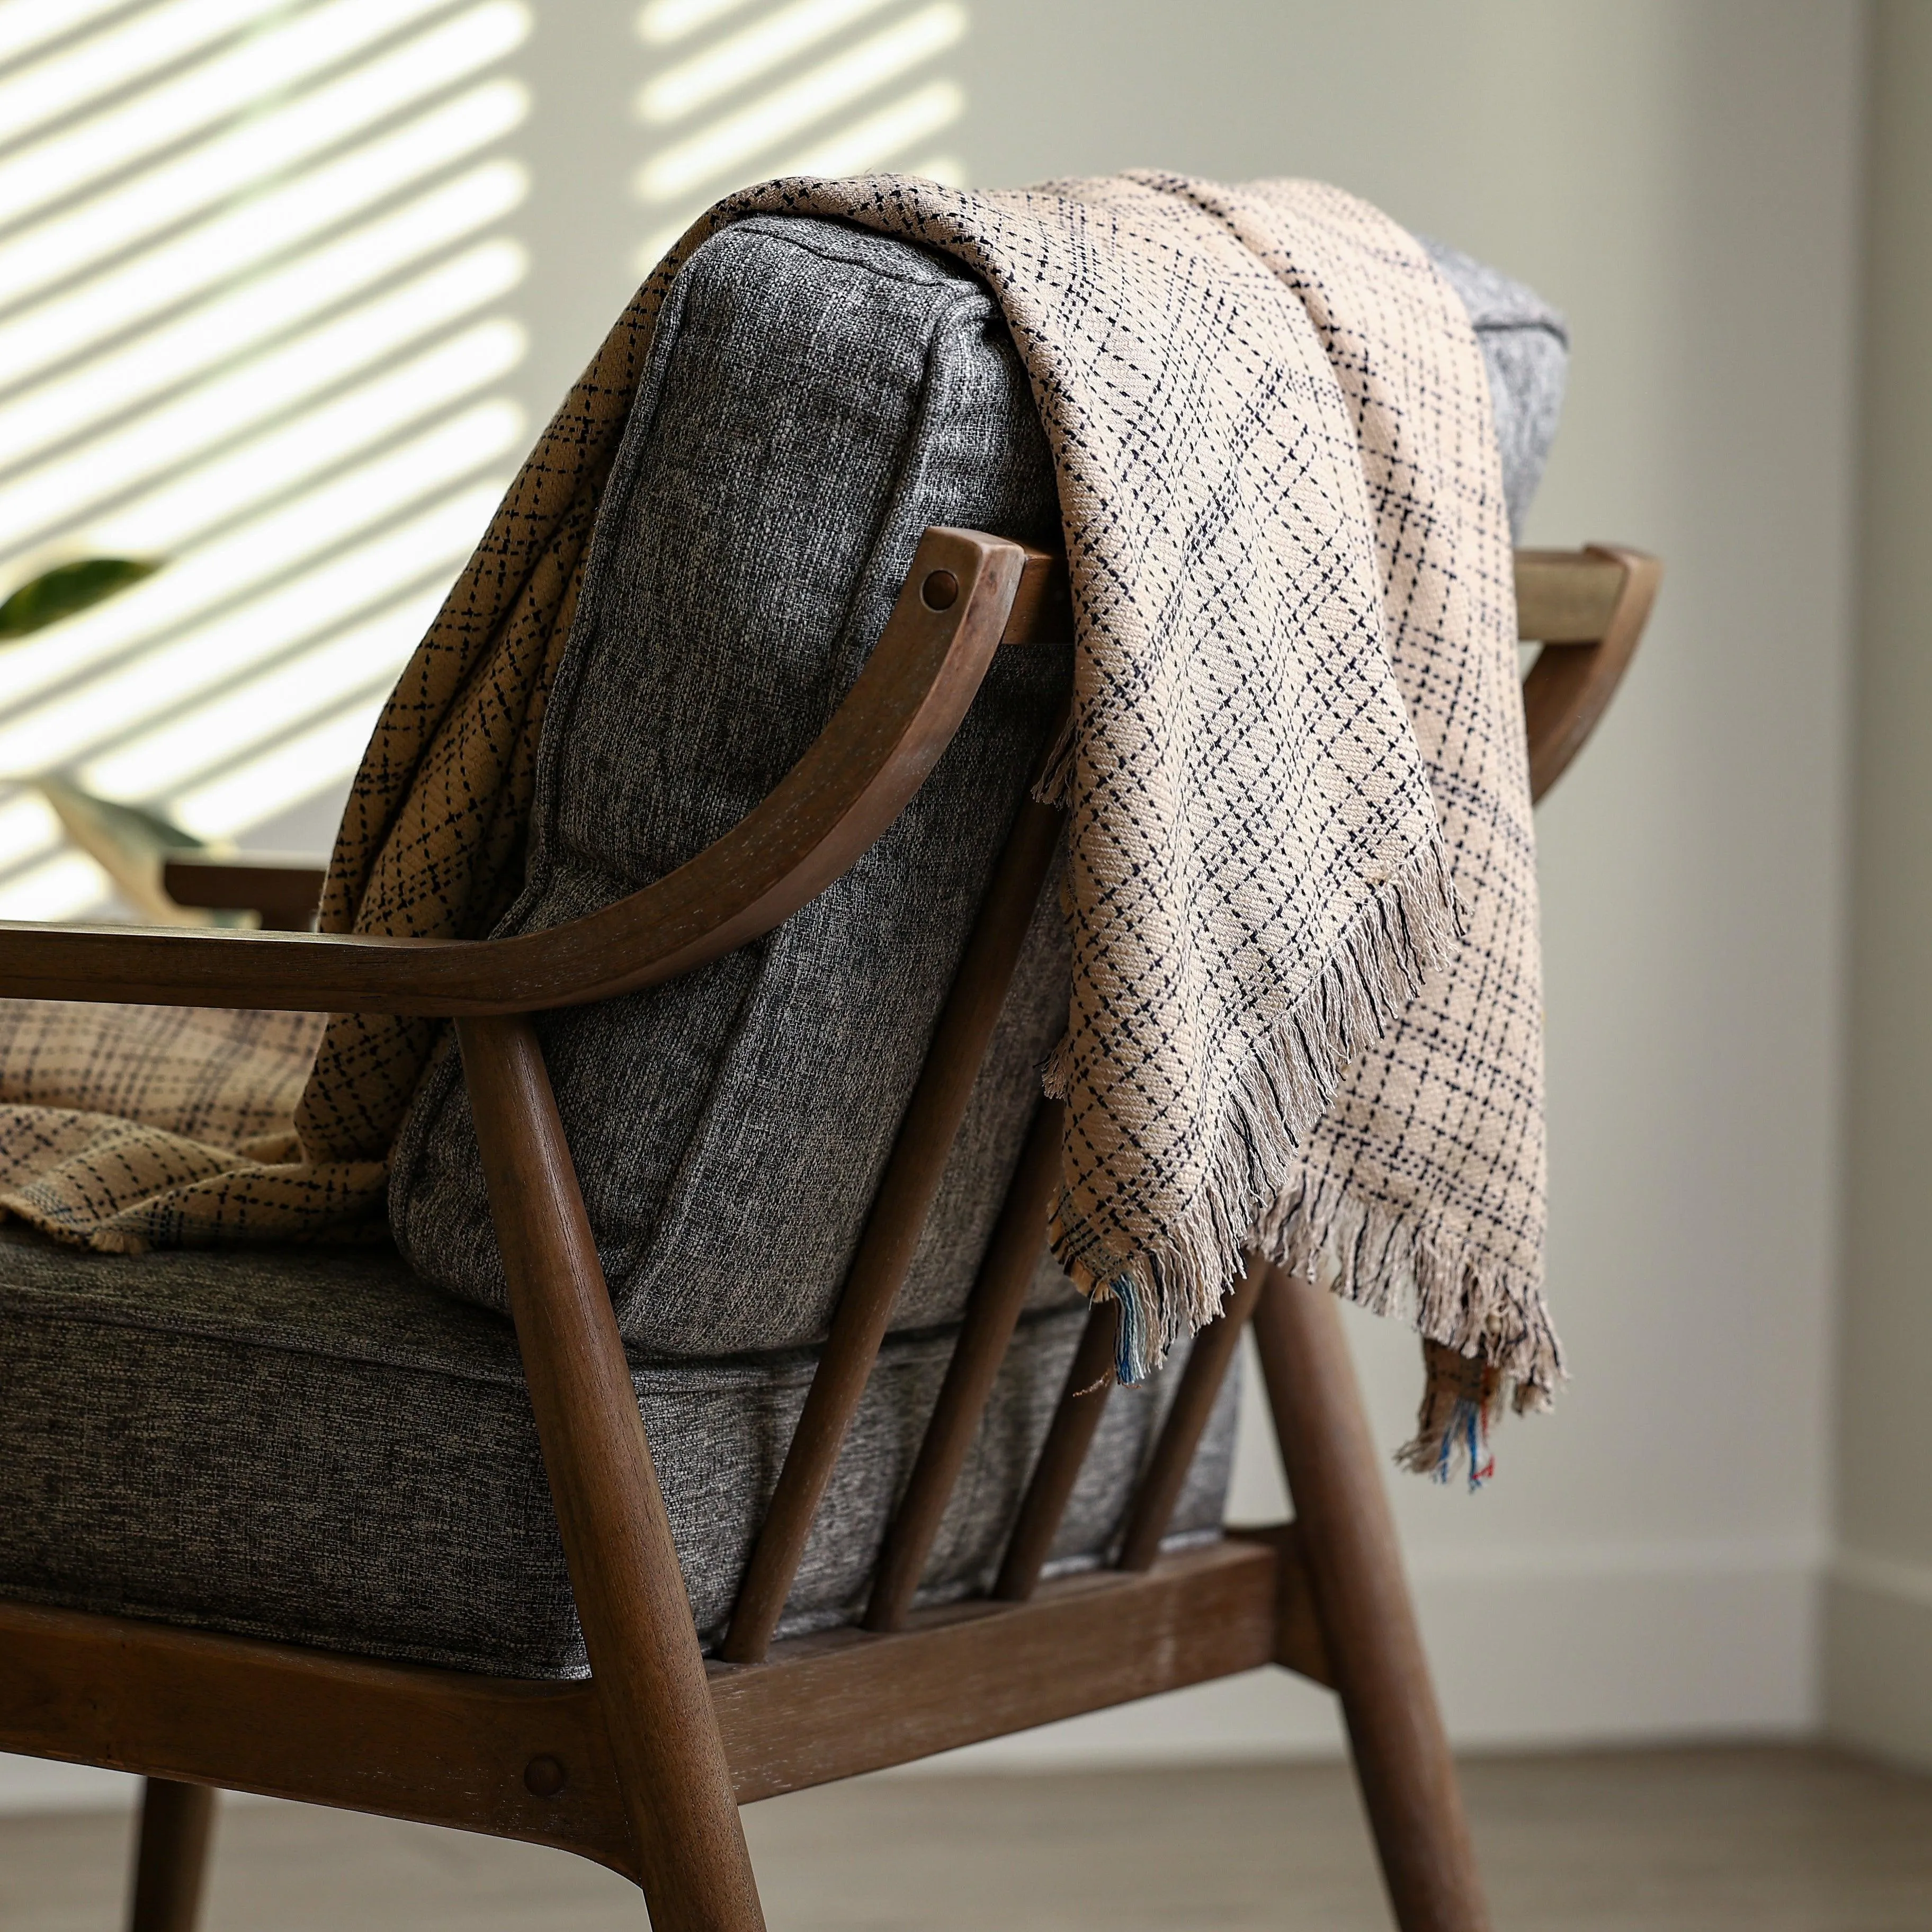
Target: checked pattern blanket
(1305, 1014)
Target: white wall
(1682, 175)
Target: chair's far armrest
(954, 609)
(284, 888)
(1588, 609)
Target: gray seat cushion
(315, 1447)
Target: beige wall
(1879, 1653)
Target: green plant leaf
(68, 588)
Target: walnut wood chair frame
(643, 1765)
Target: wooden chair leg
(1401, 1755)
(645, 1666)
(171, 1856)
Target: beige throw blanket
(1305, 1014)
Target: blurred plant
(131, 843)
(67, 590)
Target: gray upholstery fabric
(1526, 346)
(315, 1447)
(816, 400)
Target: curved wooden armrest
(1588, 609)
(957, 605)
(965, 595)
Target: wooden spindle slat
(892, 1231)
(1082, 1403)
(998, 1296)
(1180, 1436)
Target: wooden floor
(1772, 1840)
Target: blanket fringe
(1370, 1251)
(1408, 928)
(1054, 785)
(1378, 1258)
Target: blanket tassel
(1459, 1404)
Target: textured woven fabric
(1420, 1188)
(1283, 505)
(734, 1123)
(815, 399)
(314, 1446)
(206, 1080)
(101, 1107)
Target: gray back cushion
(816, 399)
(1526, 346)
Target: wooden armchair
(643, 1765)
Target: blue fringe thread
(1459, 1398)
(1461, 1394)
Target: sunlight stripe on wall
(210, 256)
(252, 258)
(211, 336)
(720, 148)
(61, 82)
(870, 142)
(162, 438)
(664, 21)
(58, 163)
(680, 90)
(245, 716)
(218, 170)
(258, 790)
(25, 25)
(182, 510)
(122, 695)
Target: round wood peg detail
(940, 590)
(545, 1777)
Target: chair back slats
(892, 1230)
(1160, 1484)
(992, 1311)
(1089, 1380)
